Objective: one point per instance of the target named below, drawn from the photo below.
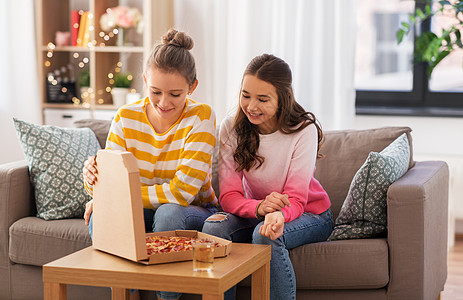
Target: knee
(169, 217)
(214, 225)
(258, 238)
(169, 211)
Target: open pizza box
(118, 221)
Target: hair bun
(178, 39)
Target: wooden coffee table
(95, 268)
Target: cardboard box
(118, 221)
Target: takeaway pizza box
(118, 222)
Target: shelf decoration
(122, 82)
(119, 20)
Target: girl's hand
(273, 202)
(273, 225)
(90, 171)
(88, 211)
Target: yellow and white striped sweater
(175, 166)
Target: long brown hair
(291, 116)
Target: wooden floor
(453, 289)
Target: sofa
(409, 263)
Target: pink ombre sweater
(288, 169)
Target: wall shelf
(59, 66)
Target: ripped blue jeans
(308, 228)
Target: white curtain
(19, 96)
(316, 38)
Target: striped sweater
(175, 166)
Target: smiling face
(259, 102)
(167, 93)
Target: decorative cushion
(364, 211)
(56, 157)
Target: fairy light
(86, 105)
(106, 38)
(64, 90)
(47, 63)
(129, 77)
(54, 82)
(81, 65)
(117, 69)
(110, 35)
(75, 55)
(91, 28)
(115, 31)
(119, 64)
(101, 34)
(51, 46)
(50, 78)
(50, 54)
(133, 90)
(110, 75)
(111, 81)
(85, 60)
(100, 101)
(108, 89)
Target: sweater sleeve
(232, 198)
(300, 173)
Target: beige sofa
(409, 264)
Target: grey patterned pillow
(364, 212)
(56, 157)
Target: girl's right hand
(88, 211)
(90, 171)
(273, 202)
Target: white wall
(18, 74)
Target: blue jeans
(308, 228)
(171, 216)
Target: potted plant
(122, 83)
(430, 47)
(84, 85)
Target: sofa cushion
(344, 153)
(347, 264)
(364, 212)
(34, 241)
(56, 157)
(99, 127)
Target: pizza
(166, 244)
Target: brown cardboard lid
(118, 222)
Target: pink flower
(121, 16)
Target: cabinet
(61, 65)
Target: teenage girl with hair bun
(172, 137)
(267, 160)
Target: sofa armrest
(417, 231)
(16, 201)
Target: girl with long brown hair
(267, 160)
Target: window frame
(420, 101)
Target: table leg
(54, 291)
(120, 294)
(260, 284)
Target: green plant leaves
(429, 47)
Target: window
(387, 81)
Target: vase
(119, 96)
(123, 37)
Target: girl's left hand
(273, 225)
